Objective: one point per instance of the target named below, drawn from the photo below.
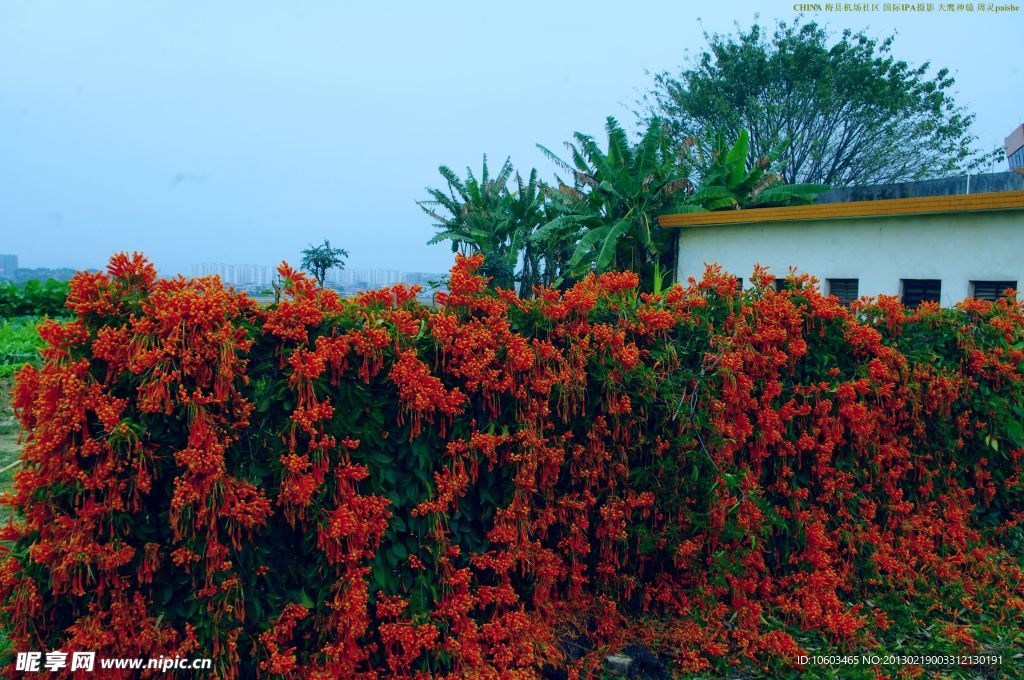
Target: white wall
(879, 251)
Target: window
(916, 291)
(783, 284)
(1016, 159)
(844, 289)
(739, 282)
(990, 290)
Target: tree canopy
(851, 112)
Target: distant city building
(8, 264)
(250, 275)
(236, 274)
(10, 271)
(1015, 148)
(365, 278)
(370, 279)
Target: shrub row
(335, 488)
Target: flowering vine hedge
(330, 488)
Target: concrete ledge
(894, 207)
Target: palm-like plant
(487, 216)
(554, 242)
(525, 212)
(731, 181)
(610, 211)
(606, 218)
(473, 215)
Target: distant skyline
(256, 274)
(242, 132)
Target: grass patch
(9, 448)
(19, 343)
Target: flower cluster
(494, 486)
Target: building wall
(236, 274)
(946, 186)
(956, 248)
(8, 264)
(1015, 148)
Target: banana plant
(732, 181)
(610, 209)
(525, 213)
(555, 240)
(489, 216)
(473, 215)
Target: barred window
(990, 290)
(916, 291)
(844, 289)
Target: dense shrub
(331, 487)
(34, 298)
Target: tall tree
(852, 113)
(317, 260)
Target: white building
(237, 274)
(944, 248)
(376, 278)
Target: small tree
(318, 259)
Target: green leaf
(737, 156)
(598, 246)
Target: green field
(8, 441)
(19, 342)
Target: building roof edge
(893, 207)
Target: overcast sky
(239, 132)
